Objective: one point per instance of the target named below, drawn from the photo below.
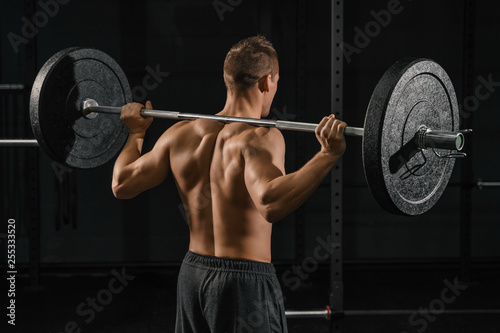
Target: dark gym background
(71, 232)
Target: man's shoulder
(198, 127)
(248, 133)
(266, 138)
(190, 131)
(269, 133)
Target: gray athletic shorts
(228, 295)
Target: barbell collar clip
(450, 155)
(466, 131)
(449, 140)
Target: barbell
(410, 137)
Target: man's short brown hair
(248, 61)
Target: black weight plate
(413, 92)
(64, 81)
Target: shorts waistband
(229, 264)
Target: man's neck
(247, 104)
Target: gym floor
(147, 303)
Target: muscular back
(240, 230)
(191, 145)
(231, 177)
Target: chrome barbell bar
(424, 138)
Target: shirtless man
(227, 282)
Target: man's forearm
(129, 154)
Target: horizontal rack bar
(390, 312)
(481, 184)
(18, 143)
(309, 314)
(12, 87)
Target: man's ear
(264, 83)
